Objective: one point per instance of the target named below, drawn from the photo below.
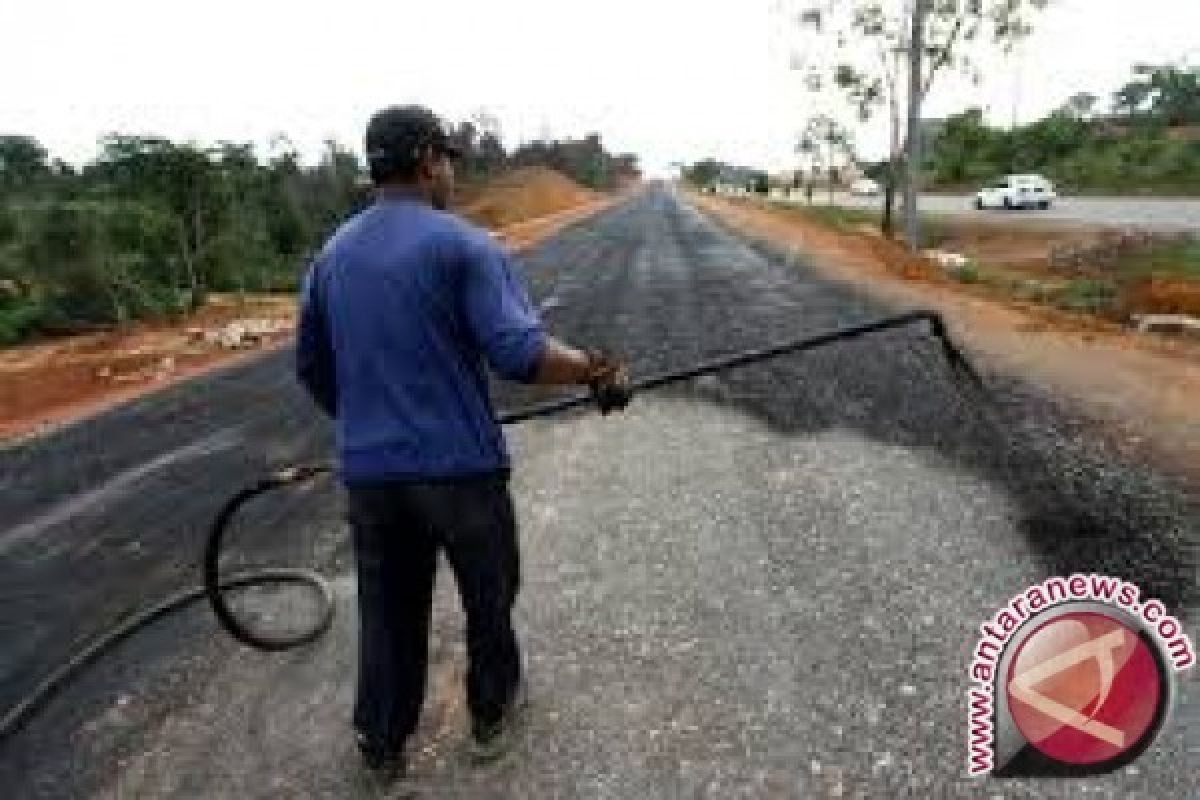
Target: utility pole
(916, 46)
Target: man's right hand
(608, 378)
(605, 375)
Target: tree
(1081, 105)
(150, 225)
(465, 136)
(291, 229)
(333, 188)
(626, 167)
(825, 142)
(1051, 138)
(1075, 151)
(70, 251)
(870, 36)
(8, 224)
(492, 156)
(1165, 94)
(965, 150)
(181, 179)
(584, 160)
(22, 162)
(703, 174)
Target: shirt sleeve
(314, 349)
(499, 315)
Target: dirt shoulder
(1144, 388)
(48, 384)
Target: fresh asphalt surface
(764, 584)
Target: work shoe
(491, 742)
(384, 763)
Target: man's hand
(608, 378)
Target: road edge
(1007, 341)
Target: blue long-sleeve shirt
(400, 313)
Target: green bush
(1170, 260)
(1036, 291)
(1087, 294)
(837, 217)
(967, 274)
(1077, 154)
(20, 319)
(8, 223)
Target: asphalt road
(765, 584)
(1160, 214)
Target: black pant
(398, 529)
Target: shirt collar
(400, 194)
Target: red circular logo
(1084, 688)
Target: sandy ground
(521, 194)
(1146, 388)
(47, 384)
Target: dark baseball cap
(397, 135)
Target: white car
(1017, 191)
(864, 187)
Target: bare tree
(825, 142)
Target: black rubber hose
(19, 714)
(213, 590)
(214, 586)
(937, 328)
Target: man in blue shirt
(401, 311)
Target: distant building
(787, 179)
(844, 175)
(735, 180)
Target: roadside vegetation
(150, 227)
(1147, 142)
(1156, 276)
(1109, 274)
(840, 218)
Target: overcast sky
(667, 79)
